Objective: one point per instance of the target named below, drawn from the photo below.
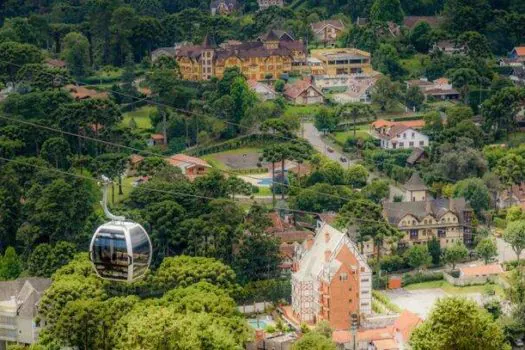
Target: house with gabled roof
(399, 136)
(328, 31)
(332, 280)
(449, 220)
(518, 54)
(303, 93)
(19, 310)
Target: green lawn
(361, 133)
(301, 111)
(453, 290)
(214, 160)
(414, 65)
(141, 116)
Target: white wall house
(402, 137)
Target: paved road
(314, 136)
(505, 252)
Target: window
(413, 234)
(343, 276)
(421, 143)
(404, 135)
(365, 280)
(413, 134)
(441, 233)
(365, 292)
(411, 143)
(401, 144)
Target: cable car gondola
(120, 250)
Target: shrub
(379, 282)
(392, 263)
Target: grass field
(453, 290)
(361, 133)
(141, 116)
(414, 65)
(215, 158)
(301, 111)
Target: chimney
(327, 236)
(309, 243)
(327, 254)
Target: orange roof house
(191, 167)
(481, 271)
(392, 337)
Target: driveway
(421, 301)
(314, 136)
(505, 252)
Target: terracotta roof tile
(520, 50)
(472, 271)
(406, 323)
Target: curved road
(314, 136)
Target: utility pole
(353, 328)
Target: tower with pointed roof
(272, 40)
(415, 189)
(207, 57)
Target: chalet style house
(421, 217)
(303, 93)
(328, 31)
(332, 280)
(266, 58)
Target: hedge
(421, 277)
(247, 140)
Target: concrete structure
(18, 309)
(328, 31)
(332, 280)
(449, 220)
(223, 7)
(264, 4)
(264, 91)
(303, 93)
(191, 167)
(271, 56)
(343, 61)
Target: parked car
(329, 149)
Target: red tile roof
(157, 137)
(520, 50)
(406, 323)
(294, 90)
(473, 271)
